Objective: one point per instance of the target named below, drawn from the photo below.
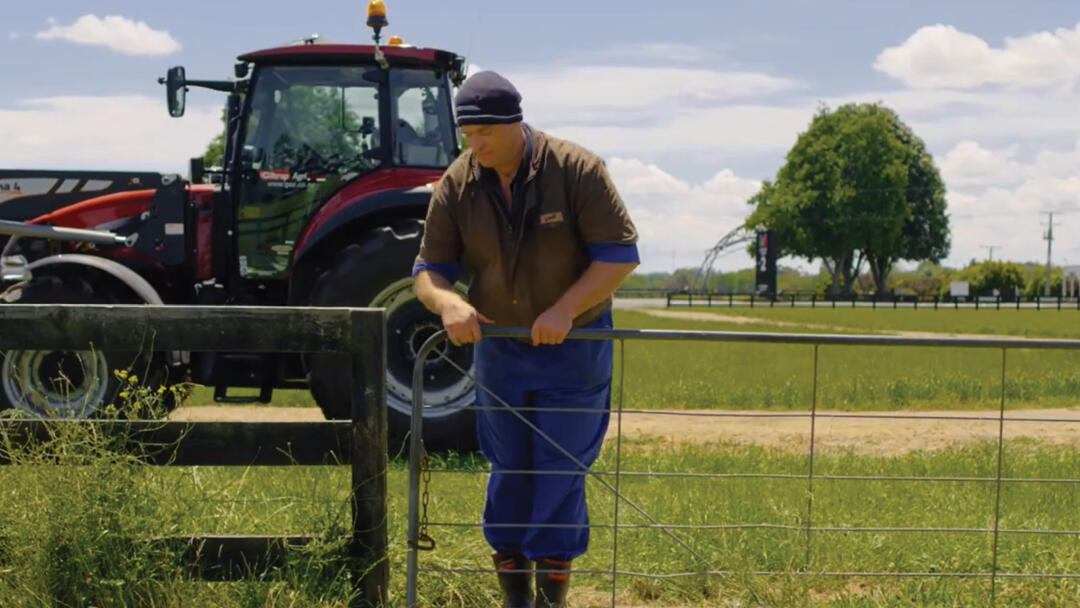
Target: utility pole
(991, 248)
(1049, 238)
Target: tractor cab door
(309, 129)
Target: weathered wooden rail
(360, 442)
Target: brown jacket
(568, 201)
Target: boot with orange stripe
(516, 586)
(551, 586)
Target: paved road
(639, 303)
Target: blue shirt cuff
(617, 253)
(448, 270)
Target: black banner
(765, 263)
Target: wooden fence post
(369, 563)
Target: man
(538, 221)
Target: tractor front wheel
(376, 271)
(73, 384)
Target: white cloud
(944, 118)
(673, 215)
(620, 93)
(969, 164)
(117, 33)
(1009, 213)
(943, 56)
(730, 129)
(472, 68)
(120, 132)
(14, 35)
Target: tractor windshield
(311, 128)
(328, 120)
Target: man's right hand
(462, 322)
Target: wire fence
(874, 301)
(419, 524)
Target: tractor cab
(307, 119)
(306, 130)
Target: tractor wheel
(376, 271)
(72, 384)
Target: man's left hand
(552, 326)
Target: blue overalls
(575, 374)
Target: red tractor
(330, 152)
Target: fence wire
(418, 458)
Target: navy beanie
(487, 98)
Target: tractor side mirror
(175, 90)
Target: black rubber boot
(551, 587)
(516, 586)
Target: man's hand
(552, 326)
(462, 322)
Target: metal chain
(424, 542)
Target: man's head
(488, 111)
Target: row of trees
(1003, 278)
(929, 279)
(858, 187)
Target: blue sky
(691, 103)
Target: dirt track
(692, 315)
(876, 435)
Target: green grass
(84, 504)
(688, 374)
(679, 374)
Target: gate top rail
(124, 327)
(793, 338)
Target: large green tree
(858, 186)
(925, 234)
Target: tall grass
(72, 529)
(784, 502)
(84, 521)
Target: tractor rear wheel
(376, 271)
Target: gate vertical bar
(368, 562)
(618, 468)
(416, 454)
(997, 484)
(810, 477)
